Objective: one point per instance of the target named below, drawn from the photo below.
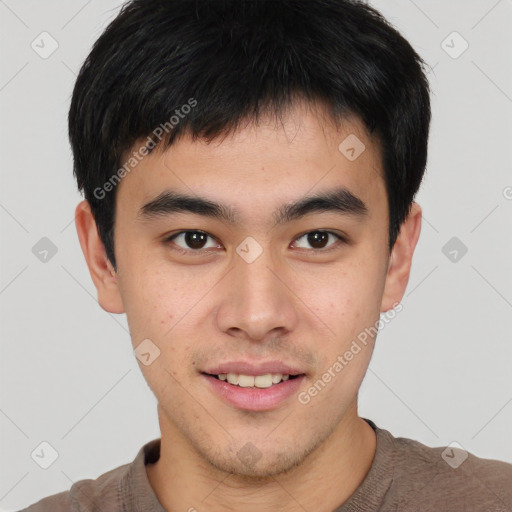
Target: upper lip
(248, 368)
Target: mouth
(262, 392)
(265, 381)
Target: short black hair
(234, 60)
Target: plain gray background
(441, 368)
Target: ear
(102, 272)
(400, 260)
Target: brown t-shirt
(405, 475)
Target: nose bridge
(257, 301)
(256, 280)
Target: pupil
(195, 239)
(318, 239)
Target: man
(249, 169)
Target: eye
(318, 239)
(193, 241)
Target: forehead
(269, 162)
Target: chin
(261, 471)
(259, 466)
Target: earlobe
(400, 261)
(102, 272)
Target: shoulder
(59, 502)
(85, 495)
(449, 477)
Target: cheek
(164, 304)
(350, 295)
(153, 312)
(156, 310)
(150, 298)
(348, 301)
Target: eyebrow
(339, 200)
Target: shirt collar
(135, 487)
(372, 491)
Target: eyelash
(340, 238)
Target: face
(263, 289)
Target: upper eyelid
(170, 237)
(340, 238)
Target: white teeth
(251, 381)
(246, 381)
(263, 381)
(232, 378)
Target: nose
(257, 299)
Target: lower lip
(255, 399)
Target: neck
(323, 481)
